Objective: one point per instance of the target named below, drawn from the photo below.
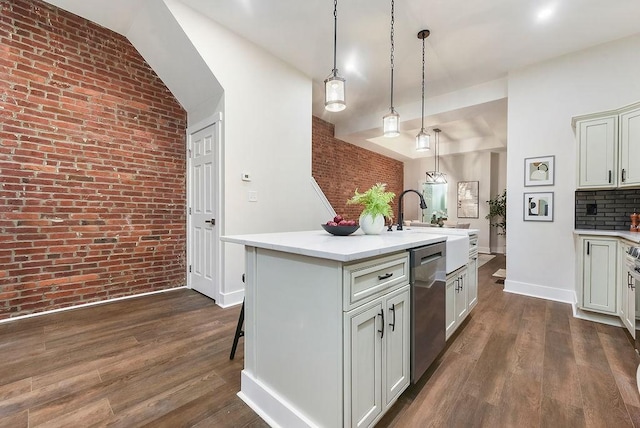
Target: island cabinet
(377, 356)
(327, 343)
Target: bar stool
(239, 330)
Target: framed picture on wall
(468, 199)
(539, 171)
(538, 206)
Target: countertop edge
(388, 247)
(629, 236)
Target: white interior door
(204, 235)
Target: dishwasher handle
(431, 258)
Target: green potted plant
(377, 206)
(498, 212)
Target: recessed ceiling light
(546, 12)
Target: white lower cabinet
(599, 284)
(377, 345)
(457, 302)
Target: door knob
(212, 221)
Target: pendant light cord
(335, 35)
(392, 49)
(422, 126)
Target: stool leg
(239, 332)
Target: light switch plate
(253, 196)
(246, 176)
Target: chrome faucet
(423, 205)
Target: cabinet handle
(385, 276)
(393, 324)
(457, 284)
(381, 331)
(587, 248)
(610, 177)
(624, 175)
(461, 283)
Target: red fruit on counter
(343, 223)
(338, 218)
(351, 223)
(331, 223)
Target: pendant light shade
(391, 124)
(435, 176)
(422, 139)
(391, 121)
(334, 94)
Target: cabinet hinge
(189, 210)
(189, 268)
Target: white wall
(266, 132)
(498, 185)
(542, 100)
(475, 166)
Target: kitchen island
(318, 350)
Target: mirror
(435, 195)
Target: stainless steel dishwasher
(428, 286)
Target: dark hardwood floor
(163, 361)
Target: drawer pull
(385, 276)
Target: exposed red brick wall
(92, 162)
(339, 168)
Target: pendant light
(334, 99)
(422, 139)
(436, 177)
(391, 121)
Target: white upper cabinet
(609, 149)
(630, 148)
(597, 152)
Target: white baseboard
(484, 250)
(596, 317)
(268, 405)
(84, 305)
(540, 291)
(230, 299)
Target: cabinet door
(450, 306)
(472, 281)
(397, 344)
(630, 148)
(599, 275)
(628, 303)
(597, 153)
(462, 305)
(363, 383)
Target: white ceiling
(471, 43)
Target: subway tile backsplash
(606, 209)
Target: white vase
(372, 225)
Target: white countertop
(318, 243)
(630, 236)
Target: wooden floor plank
(93, 414)
(587, 346)
(560, 378)
(556, 414)
(603, 405)
(487, 380)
